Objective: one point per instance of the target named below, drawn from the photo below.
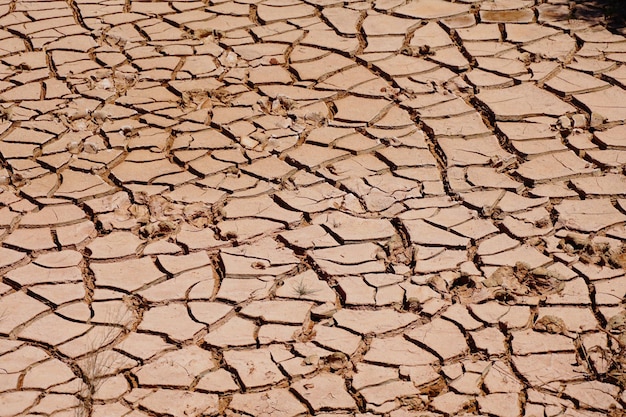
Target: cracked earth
(311, 207)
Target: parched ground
(312, 207)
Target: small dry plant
(616, 330)
(101, 361)
(609, 362)
(302, 289)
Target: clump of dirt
(155, 217)
(617, 412)
(594, 251)
(550, 324)
(523, 281)
(157, 229)
(616, 329)
(617, 257)
(616, 326)
(466, 290)
(337, 362)
(397, 252)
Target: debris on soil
(550, 324)
(521, 280)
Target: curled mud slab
(289, 208)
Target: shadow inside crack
(612, 13)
